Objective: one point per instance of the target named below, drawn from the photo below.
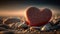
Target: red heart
(36, 17)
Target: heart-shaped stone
(37, 17)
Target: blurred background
(19, 6)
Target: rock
(37, 17)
